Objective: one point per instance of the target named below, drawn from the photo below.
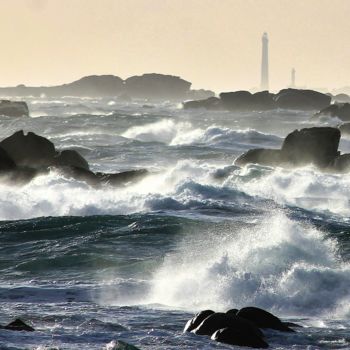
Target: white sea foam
(279, 265)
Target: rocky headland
(264, 100)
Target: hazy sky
(212, 43)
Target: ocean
(87, 266)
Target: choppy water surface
(85, 266)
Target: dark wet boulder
(292, 325)
(18, 325)
(318, 146)
(239, 337)
(220, 320)
(195, 321)
(232, 312)
(301, 99)
(13, 108)
(268, 157)
(6, 162)
(263, 319)
(339, 110)
(71, 158)
(29, 150)
(211, 103)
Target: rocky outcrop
(18, 325)
(157, 87)
(237, 327)
(211, 103)
(317, 146)
(13, 108)
(25, 156)
(264, 100)
(147, 86)
(339, 110)
(301, 99)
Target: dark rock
(239, 337)
(122, 179)
(341, 98)
(292, 324)
(29, 150)
(263, 319)
(269, 157)
(197, 320)
(220, 320)
(245, 101)
(345, 129)
(157, 87)
(71, 158)
(6, 162)
(263, 100)
(318, 146)
(211, 103)
(18, 325)
(301, 99)
(21, 175)
(238, 100)
(80, 174)
(341, 163)
(341, 111)
(232, 312)
(13, 108)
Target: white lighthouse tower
(265, 63)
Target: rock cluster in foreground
(317, 146)
(13, 108)
(25, 156)
(264, 100)
(237, 327)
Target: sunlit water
(85, 266)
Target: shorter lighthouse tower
(265, 63)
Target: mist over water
(197, 233)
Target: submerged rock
(13, 108)
(18, 325)
(6, 162)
